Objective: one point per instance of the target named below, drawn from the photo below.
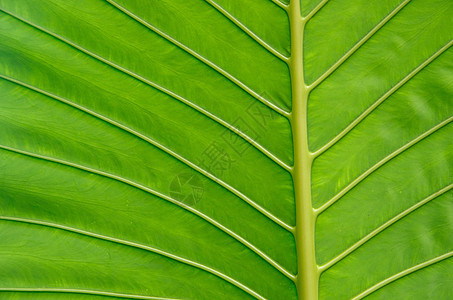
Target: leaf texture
(148, 149)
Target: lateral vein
(81, 291)
(160, 147)
(139, 246)
(379, 164)
(314, 11)
(280, 4)
(378, 102)
(175, 96)
(184, 206)
(384, 226)
(201, 58)
(307, 279)
(246, 30)
(402, 274)
(351, 51)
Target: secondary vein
(379, 164)
(201, 58)
(402, 274)
(184, 206)
(139, 246)
(175, 96)
(384, 226)
(336, 65)
(280, 4)
(159, 146)
(249, 32)
(378, 102)
(315, 10)
(81, 291)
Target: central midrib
(307, 269)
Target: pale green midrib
(138, 246)
(379, 164)
(383, 227)
(359, 44)
(307, 278)
(173, 95)
(378, 102)
(164, 197)
(402, 274)
(83, 292)
(307, 269)
(201, 58)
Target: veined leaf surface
(226, 149)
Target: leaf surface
(151, 149)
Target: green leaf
(222, 149)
